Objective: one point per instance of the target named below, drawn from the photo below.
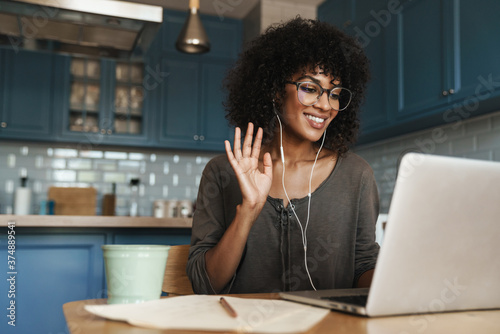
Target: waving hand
(254, 183)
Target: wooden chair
(175, 280)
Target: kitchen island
(57, 259)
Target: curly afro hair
(257, 81)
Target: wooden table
(484, 322)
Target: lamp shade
(193, 38)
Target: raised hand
(254, 183)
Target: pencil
(228, 307)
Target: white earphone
(303, 230)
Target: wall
(474, 138)
(268, 12)
(175, 175)
(163, 174)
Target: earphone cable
(302, 229)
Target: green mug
(134, 273)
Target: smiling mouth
(315, 119)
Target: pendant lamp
(193, 38)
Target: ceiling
(220, 7)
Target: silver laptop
(441, 245)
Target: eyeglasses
(309, 93)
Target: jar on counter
(134, 197)
(185, 208)
(165, 209)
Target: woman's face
(309, 122)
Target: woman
(291, 208)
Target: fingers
(268, 165)
(251, 148)
(257, 144)
(237, 143)
(247, 143)
(230, 155)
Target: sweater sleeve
(209, 223)
(366, 246)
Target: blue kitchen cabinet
(476, 49)
(191, 114)
(25, 91)
(214, 125)
(445, 71)
(180, 106)
(369, 23)
(79, 100)
(96, 117)
(52, 269)
(423, 62)
(432, 62)
(380, 98)
(54, 266)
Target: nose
(323, 102)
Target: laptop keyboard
(359, 300)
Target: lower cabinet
(54, 266)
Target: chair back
(175, 280)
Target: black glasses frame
(322, 90)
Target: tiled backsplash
(162, 174)
(475, 138)
(176, 175)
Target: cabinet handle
(103, 131)
(3, 124)
(202, 138)
(195, 137)
(450, 91)
(110, 131)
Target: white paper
(203, 312)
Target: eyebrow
(317, 81)
(309, 77)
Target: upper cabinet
(191, 114)
(104, 101)
(85, 107)
(432, 62)
(476, 50)
(169, 100)
(25, 95)
(424, 57)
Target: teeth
(315, 119)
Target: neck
(295, 152)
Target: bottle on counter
(134, 197)
(109, 202)
(22, 200)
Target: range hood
(98, 28)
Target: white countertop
(94, 221)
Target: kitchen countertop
(94, 221)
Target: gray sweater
(341, 233)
